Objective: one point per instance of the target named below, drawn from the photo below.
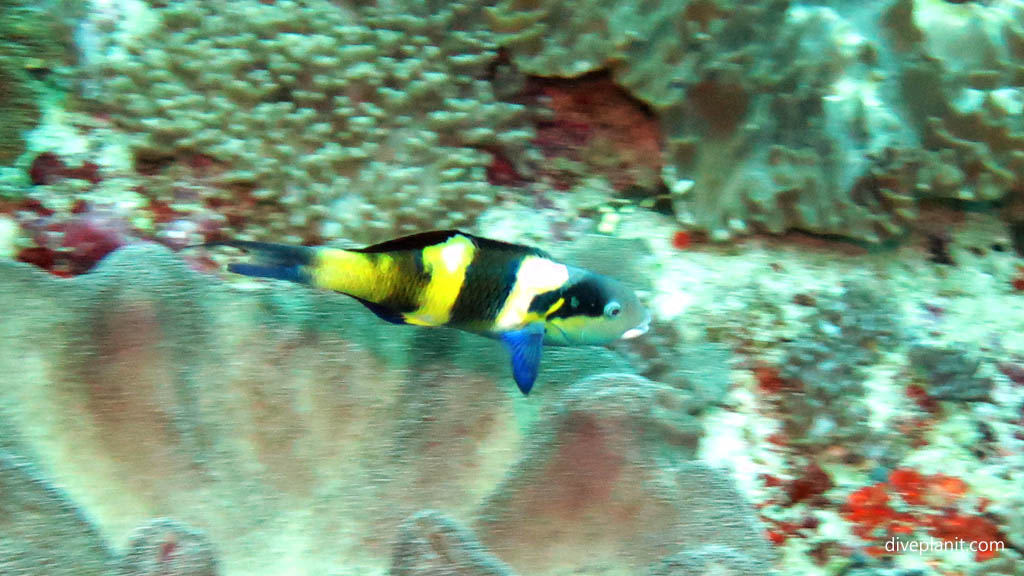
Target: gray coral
(769, 109)
(950, 373)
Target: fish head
(596, 310)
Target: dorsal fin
(412, 242)
(424, 239)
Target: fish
(514, 293)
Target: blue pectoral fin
(525, 347)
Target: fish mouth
(640, 330)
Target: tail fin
(278, 261)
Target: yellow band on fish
(353, 273)
(446, 265)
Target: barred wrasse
(515, 293)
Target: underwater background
(821, 203)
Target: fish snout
(639, 329)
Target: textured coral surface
(293, 432)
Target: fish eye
(612, 309)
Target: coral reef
(338, 124)
(33, 44)
(20, 110)
(961, 90)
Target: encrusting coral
(362, 122)
(339, 123)
(961, 70)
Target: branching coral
(363, 124)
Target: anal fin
(383, 312)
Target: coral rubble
(822, 397)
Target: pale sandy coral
(299, 432)
(350, 125)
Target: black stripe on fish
(582, 298)
(541, 303)
(412, 242)
(489, 280)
